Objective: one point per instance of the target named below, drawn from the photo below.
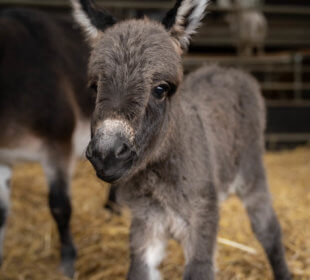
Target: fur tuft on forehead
(184, 18)
(135, 50)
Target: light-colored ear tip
(82, 18)
(188, 20)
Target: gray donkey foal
(172, 148)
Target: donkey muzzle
(111, 156)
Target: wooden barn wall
(284, 72)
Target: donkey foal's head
(135, 70)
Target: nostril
(122, 151)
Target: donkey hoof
(113, 208)
(285, 276)
(67, 268)
(199, 270)
(68, 254)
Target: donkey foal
(172, 148)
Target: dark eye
(94, 87)
(161, 91)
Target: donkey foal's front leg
(147, 242)
(199, 243)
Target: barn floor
(31, 247)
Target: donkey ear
(183, 20)
(91, 18)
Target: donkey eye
(161, 91)
(94, 87)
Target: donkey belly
(28, 149)
(33, 149)
(81, 137)
(233, 187)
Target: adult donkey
(45, 109)
(172, 148)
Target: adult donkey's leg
(255, 195)
(5, 177)
(58, 171)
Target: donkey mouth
(113, 174)
(108, 178)
(112, 166)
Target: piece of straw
(237, 245)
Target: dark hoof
(199, 271)
(67, 268)
(68, 254)
(284, 277)
(113, 208)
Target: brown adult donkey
(172, 148)
(45, 109)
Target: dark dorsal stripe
(98, 17)
(169, 19)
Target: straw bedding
(31, 249)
